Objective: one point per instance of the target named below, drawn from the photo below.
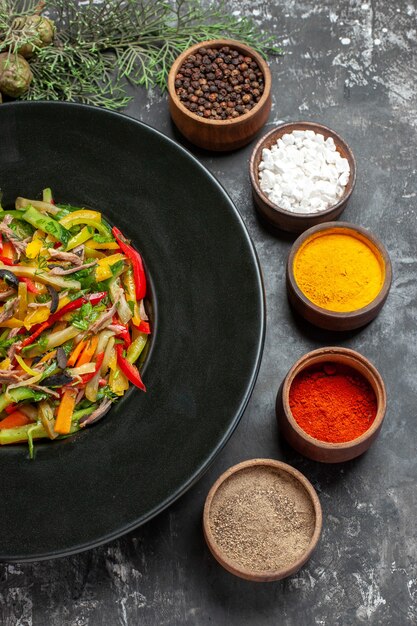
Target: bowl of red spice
(262, 520)
(331, 405)
(219, 94)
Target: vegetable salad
(72, 319)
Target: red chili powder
(332, 402)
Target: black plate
(209, 317)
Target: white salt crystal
(343, 179)
(330, 143)
(342, 165)
(310, 134)
(288, 139)
(267, 180)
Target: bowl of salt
(302, 174)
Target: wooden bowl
(232, 566)
(321, 450)
(220, 135)
(332, 320)
(280, 218)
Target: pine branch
(99, 46)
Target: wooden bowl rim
(300, 125)
(353, 228)
(352, 358)
(268, 575)
(217, 43)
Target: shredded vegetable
(72, 319)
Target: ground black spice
(262, 519)
(219, 83)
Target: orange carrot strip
(76, 352)
(88, 352)
(48, 356)
(14, 419)
(65, 411)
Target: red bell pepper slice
(137, 263)
(95, 298)
(11, 408)
(6, 261)
(99, 361)
(121, 331)
(129, 370)
(30, 284)
(144, 327)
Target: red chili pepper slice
(129, 370)
(99, 361)
(144, 327)
(95, 298)
(30, 284)
(39, 330)
(137, 263)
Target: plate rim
(205, 465)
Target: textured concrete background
(351, 65)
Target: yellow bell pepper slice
(5, 364)
(48, 356)
(113, 361)
(86, 218)
(79, 217)
(103, 269)
(36, 316)
(130, 289)
(33, 248)
(118, 382)
(90, 253)
(109, 245)
(63, 302)
(25, 366)
(23, 300)
(38, 235)
(13, 322)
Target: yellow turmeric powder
(338, 271)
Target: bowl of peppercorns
(219, 94)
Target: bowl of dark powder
(262, 520)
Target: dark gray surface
(350, 65)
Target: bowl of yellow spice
(338, 276)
